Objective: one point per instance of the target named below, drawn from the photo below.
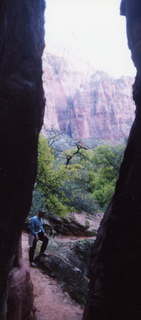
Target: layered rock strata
(115, 266)
(94, 107)
(21, 116)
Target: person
(36, 232)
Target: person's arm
(42, 227)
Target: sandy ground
(50, 301)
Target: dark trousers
(44, 239)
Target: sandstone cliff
(92, 107)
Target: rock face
(70, 226)
(20, 294)
(21, 116)
(68, 263)
(114, 291)
(92, 107)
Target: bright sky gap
(89, 31)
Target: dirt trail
(50, 301)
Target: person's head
(41, 214)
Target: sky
(89, 31)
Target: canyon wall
(114, 291)
(91, 107)
(21, 117)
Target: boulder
(70, 226)
(20, 295)
(68, 263)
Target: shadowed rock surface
(114, 291)
(67, 261)
(50, 301)
(70, 226)
(20, 294)
(21, 116)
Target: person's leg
(44, 239)
(32, 250)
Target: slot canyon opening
(88, 116)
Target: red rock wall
(20, 302)
(96, 107)
(115, 284)
(21, 116)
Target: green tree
(49, 180)
(79, 179)
(77, 185)
(103, 174)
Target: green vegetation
(76, 180)
(49, 180)
(106, 161)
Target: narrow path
(50, 301)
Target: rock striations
(92, 107)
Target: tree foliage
(106, 162)
(49, 179)
(84, 183)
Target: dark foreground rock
(21, 117)
(68, 263)
(115, 286)
(20, 294)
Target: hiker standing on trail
(37, 232)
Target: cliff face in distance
(92, 107)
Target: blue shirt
(36, 225)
